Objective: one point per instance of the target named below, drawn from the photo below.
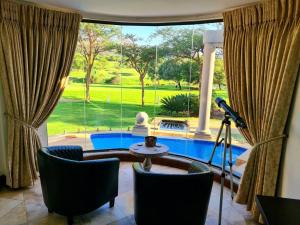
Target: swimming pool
(197, 149)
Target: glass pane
(104, 108)
(120, 71)
(138, 84)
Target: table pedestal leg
(147, 164)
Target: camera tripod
(227, 147)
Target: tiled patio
(26, 207)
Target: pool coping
(235, 174)
(169, 160)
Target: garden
(115, 76)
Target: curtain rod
(152, 23)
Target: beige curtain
(262, 56)
(36, 51)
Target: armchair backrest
(72, 152)
(175, 199)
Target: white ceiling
(148, 10)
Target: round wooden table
(140, 150)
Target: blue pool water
(197, 149)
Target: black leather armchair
(72, 186)
(172, 199)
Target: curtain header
(17, 12)
(267, 11)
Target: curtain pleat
(262, 57)
(37, 46)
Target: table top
(279, 211)
(139, 149)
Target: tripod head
(226, 119)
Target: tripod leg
(216, 144)
(223, 175)
(230, 162)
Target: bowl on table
(150, 141)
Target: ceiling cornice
(141, 20)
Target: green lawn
(105, 109)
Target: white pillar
(211, 39)
(206, 89)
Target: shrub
(215, 110)
(96, 79)
(76, 80)
(113, 80)
(182, 103)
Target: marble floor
(26, 207)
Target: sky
(144, 32)
(141, 31)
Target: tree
(153, 71)
(94, 39)
(78, 61)
(219, 75)
(139, 57)
(178, 70)
(183, 44)
(171, 70)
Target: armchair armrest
(178, 182)
(197, 167)
(91, 182)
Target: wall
(43, 134)
(289, 185)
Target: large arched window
(121, 70)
